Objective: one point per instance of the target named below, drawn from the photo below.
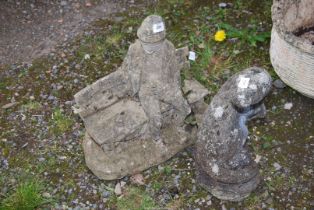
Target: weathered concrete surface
(224, 165)
(195, 94)
(292, 49)
(134, 156)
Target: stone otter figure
(154, 72)
(224, 166)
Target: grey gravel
(278, 83)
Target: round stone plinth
(227, 191)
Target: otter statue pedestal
(134, 117)
(224, 166)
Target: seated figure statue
(135, 116)
(155, 76)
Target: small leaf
(201, 46)
(266, 145)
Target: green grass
(135, 199)
(167, 170)
(31, 105)
(252, 202)
(203, 63)
(2, 85)
(60, 122)
(156, 185)
(251, 36)
(276, 183)
(27, 196)
(267, 141)
(114, 39)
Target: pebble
(117, 189)
(288, 106)
(160, 168)
(118, 19)
(278, 83)
(223, 207)
(86, 56)
(106, 194)
(138, 179)
(277, 166)
(62, 157)
(165, 198)
(4, 190)
(41, 159)
(46, 195)
(63, 3)
(222, 5)
(69, 103)
(9, 105)
(194, 189)
(51, 98)
(77, 66)
(122, 184)
(257, 158)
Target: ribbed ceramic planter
(292, 47)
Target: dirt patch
(30, 29)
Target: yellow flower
(220, 36)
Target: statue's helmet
(152, 29)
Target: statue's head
(152, 33)
(250, 87)
(152, 29)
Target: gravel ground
(30, 29)
(40, 137)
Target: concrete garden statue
(224, 166)
(135, 116)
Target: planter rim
(278, 25)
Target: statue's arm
(181, 56)
(174, 64)
(133, 74)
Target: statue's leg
(152, 109)
(182, 108)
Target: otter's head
(250, 87)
